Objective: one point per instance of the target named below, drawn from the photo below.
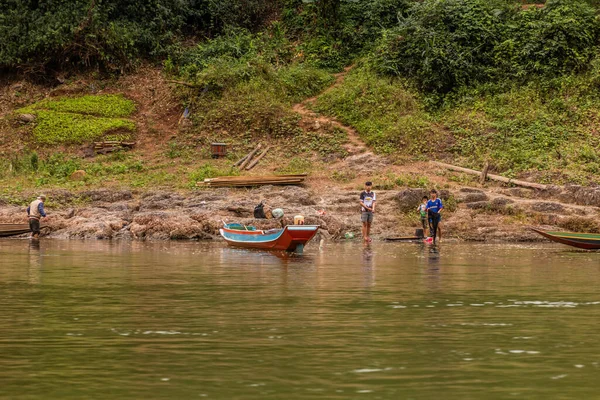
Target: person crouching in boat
(434, 209)
(36, 212)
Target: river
(181, 320)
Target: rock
(78, 175)
(409, 199)
(366, 162)
(26, 118)
(161, 201)
(479, 205)
(501, 202)
(544, 206)
(471, 197)
(108, 196)
(470, 190)
(585, 196)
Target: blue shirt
(435, 205)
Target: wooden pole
(253, 163)
(484, 173)
(249, 158)
(492, 177)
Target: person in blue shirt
(35, 212)
(434, 209)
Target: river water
(138, 320)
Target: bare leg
(364, 231)
(369, 231)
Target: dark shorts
(424, 222)
(34, 225)
(366, 216)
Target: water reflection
(389, 321)
(35, 262)
(368, 266)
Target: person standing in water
(422, 210)
(367, 203)
(434, 209)
(36, 212)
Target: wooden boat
(290, 238)
(13, 229)
(588, 241)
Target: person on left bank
(36, 212)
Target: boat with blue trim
(290, 238)
(588, 241)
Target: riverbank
(472, 213)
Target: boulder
(78, 175)
(409, 199)
(545, 206)
(27, 118)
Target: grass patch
(67, 128)
(207, 170)
(106, 105)
(297, 165)
(386, 115)
(82, 119)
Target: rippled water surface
(391, 321)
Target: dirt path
(355, 145)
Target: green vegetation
(82, 119)
(67, 128)
(386, 114)
(448, 44)
(211, 171)
(107, 105)
(467, 81)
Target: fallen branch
(249, 157)
(253, 163)
(492, 177)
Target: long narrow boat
(290, 238)
(588, 241)
(13, 229)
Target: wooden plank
(492, 177)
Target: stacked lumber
(241, 181)
(111, 145)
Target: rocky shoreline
(473, 214)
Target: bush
(445, 45)
(556, 39)
(113, 34)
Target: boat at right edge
(587, 241)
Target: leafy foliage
(113, 34)
(68, 128)
(447, 44)
(81, 119)
(443, 44)
(556, 39)
(107, 105)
